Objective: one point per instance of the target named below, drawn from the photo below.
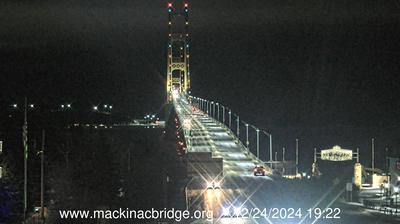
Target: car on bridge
(259, 170)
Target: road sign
(336, 154)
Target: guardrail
(248, 135)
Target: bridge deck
(205, 134)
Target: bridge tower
(178, 73)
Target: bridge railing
(257, 141)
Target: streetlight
(230, 118)
(95, 108)
(218, 111)
(258, 143)
(396, 195)
(1, 150)
(223, 114)
(68, 105)
(237, 125)
(25, 147)
(297, 156)
(212, 108)
(247, 135)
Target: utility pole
(42, 179)
(25, 145)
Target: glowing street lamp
(230, 118)
(95, 108)
(213, 109)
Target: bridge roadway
(240, 189)
(205, 134)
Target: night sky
(324, 71)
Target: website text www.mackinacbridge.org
(128, 214)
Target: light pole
(212, 109)
(230, 118)
(396, 195)
(1, 151)
(25, 144)
(270, 148)
(373, 155)
(223, 114)
(267, 135)
(258, 143)
(247, 136)
(42, 178)
(237, 126)
(297, 156)
(283, 160)
(218, 111)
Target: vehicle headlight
(237, 210)
(225, 211)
